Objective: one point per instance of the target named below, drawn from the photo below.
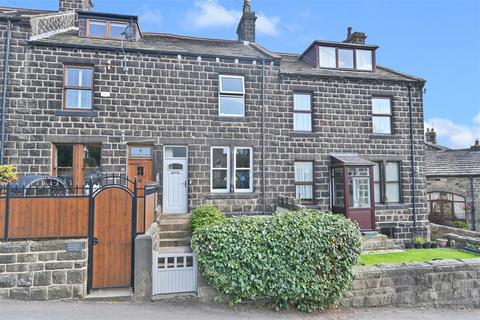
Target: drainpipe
(264, 193)
(412, 152)
(4, 93)
(472, 197)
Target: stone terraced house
(226, 122)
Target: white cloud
(455, 135)
(267, 25)
(210, 14)
(151, 16)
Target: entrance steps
(175, 232)
(110, 295)
(376, 241)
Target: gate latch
(94, 241)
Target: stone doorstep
(110, 294)
(176, 297)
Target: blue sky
(438, 40)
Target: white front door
(175, 186)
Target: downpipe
(264, 188)
(4, 92)
(412, 158)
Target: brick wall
(43, 270)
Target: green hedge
(206, 215)
(301, 258)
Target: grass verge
(414, 255)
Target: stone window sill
(231, 119)
(247, 195)
(383, 136)
(76, 113)
(392, 206)
(303, 134)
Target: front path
(16, 310)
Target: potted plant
(434, 245)
(409, 245)
(419, 241)
(442, 243)
(427, 245)
(451, 243)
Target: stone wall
(43, 270)
(442, 283)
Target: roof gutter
(5, 84)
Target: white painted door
(175, 186)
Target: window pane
(327, 57)
(231, 106)
(242, 179)
(232, 84)
(376, 172)
(219, 179)
(91, 162)
(65, 163)
(117, 30)
(79, 77)
(140, 152)
(392, 192)
(175, 152)
(345, 58)
(338, 188)
(302, 122)
(364, 59)
(242, 158)
(97, 29)
(304, 192)
(78, 99)
(377, 192)
(303, 171)
(381, 106)
(301, 102)
(459, 210)
(359, 189)
(434, 195)
(220, 158)
(392, 172)
(381, 125)
(458, 198)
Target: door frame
(91, 220)
(164, 182)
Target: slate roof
(160, 42)
(293, 66)
(464, 162)
(350, 159)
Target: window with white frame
(386, 178)
(302, 112)
(382, 115)
(328, 57)
(232, 96)
(220, 169)
(243, 169)
(304, 181)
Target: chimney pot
(349, 31)
(476, 146)
(431, 136)
(355, 37)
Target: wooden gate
(114, 210)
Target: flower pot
(418, 245)
(434, 246)
(408, 245)
(442, 243)
(427, 245)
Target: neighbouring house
(453, 182)
(225, 122)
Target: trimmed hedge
(206, 215)
(302, 258)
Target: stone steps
(174, 231)
(110, 295)
(167, 234)
(174, 242)
(378, 242)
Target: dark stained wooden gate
(112, 237)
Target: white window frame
(250, 189)
(383, 115)
(236, 94)
(228, 168)
(310, 112)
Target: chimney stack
(356, 37)
(476, 146)
(431, 136)
(246, 26)
(75, 5)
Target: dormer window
(106, 29)
(345, 57)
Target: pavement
(81, 310)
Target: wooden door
(112, 230)
(142, 169)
